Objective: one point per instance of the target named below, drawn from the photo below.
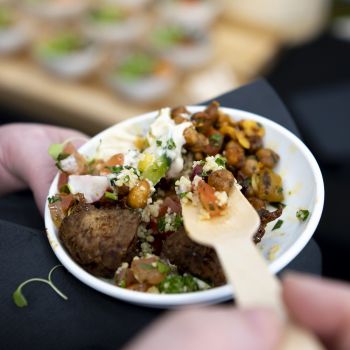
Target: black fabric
(313, 80)
(89, 320)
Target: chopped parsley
(54, 199)
(215, 140)
(302, 214)
(169, 223)
(178, 284)
(171, 144)
(159, 143)
(183, 194)
(20, 300)
(278, 224)
(220, 161)
(111, 196)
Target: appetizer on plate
(56, 9)
(190, 14)
(133, 5)
(67, 54)
(186, 49)
(113, 24)
(14, 35)
(118, 214)
(142, 77)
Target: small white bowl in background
(194, 52)
(15, 35)
(127, 30)
(193, 15)
(133, 5)
(54, 10)
(145, 88)
(73, 65)
(303, 188)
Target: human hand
(320, 305)
(211, 328)
(24, 158)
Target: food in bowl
(186, 49)
(108, 23)
(118, 214)
(67, 54)
(57, 10)
(142, 77)
(190, 14)
(14, 34)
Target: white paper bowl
(303, 187)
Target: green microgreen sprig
(21, 301)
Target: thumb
(211, 328)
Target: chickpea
(200, 144)
(138, 195)
(250, 167)
(179, 119)
(256, 142)
(234, 154)
(179, 111)
(198, 156)
(257, 203)
(221, 180)
(268, 157)
(202, 122)
(191, 136)
(213, 111)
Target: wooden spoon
(254, 285)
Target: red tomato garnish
(207, 197)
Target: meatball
(234, 154)
(193, 258)
(221, 180)
(100, 239)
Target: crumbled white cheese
(69, 165)
(126, 177)
(151, 210)
(170, 222)
(221, 198)
(211, 164)
(166, 137)
(183, 185)
(196, 181)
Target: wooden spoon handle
(256, 286)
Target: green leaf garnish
(111, 196)
(55, 150)
(183, 194)
(302, 214)
(215, 140)
(220, 161)
(171, 144)
(163, 268)
(278, 224)
(54, 199)
(20, 300)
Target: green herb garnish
(161, 224)
(136, 66)
(54, 199)
(178, 284)
(20, 300)
(171, 144)
(168, 36)
(63, 44)
(163, 268)
(220, 161)
(278, 224)
(110, 195)
(302, 214)
(183, 194)
(106, 14)
(215, 140)
(159, 143)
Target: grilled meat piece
(193, 258)
(100, 239)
